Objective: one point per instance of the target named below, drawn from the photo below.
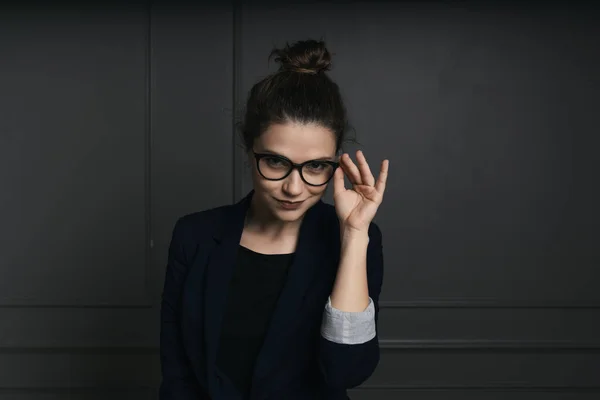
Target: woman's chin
(288, 215)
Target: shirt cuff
(348, 327)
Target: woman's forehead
(298, 142)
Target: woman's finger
(382, 179)
(338, 181)
(365, 172)
(351, 170)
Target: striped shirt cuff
(348, 327)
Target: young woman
(276, 297)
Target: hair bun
(307, 56)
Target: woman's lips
(289, 205)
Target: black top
(251, 299)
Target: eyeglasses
(313, 172)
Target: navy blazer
(295, 362)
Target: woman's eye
(316, 166)
(274, 162)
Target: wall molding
(238, 152)
(81, 350)
(487, 344)
(384, 344)
(487, 303)
(124, 306)
(68, 392)
(151, 389)
(146, 299)
(501, 387)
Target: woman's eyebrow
(324, 158)
(271, 152)
(328, 158)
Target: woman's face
(288, 199)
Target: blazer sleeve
(345, 365)
(177, 378)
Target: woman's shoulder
(195, 223)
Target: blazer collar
(233, 220)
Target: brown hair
(300, 91)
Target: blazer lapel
(310, 252)
(219, 271)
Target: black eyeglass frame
(293, 166)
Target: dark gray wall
(115, 120)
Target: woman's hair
(299, 92)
